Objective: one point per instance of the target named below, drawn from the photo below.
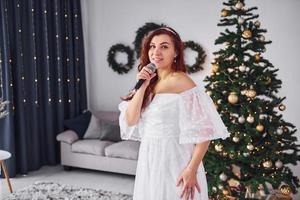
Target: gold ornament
(236, 139)
(241, 20)
(281, 107)
(233, 98)
(257, 23)
(219, 147)
(250, 147)
(244, 92)
(250, 119)
(285, 129)
(279, 131)
(286, 190)
(223, 176)
(278, 164)
(225, 192)
(239, 5)
(215, 67)
(267, 164)
(209, 92)
(230, 70)
(242, 68)
(247, 34)
(224, 13)
(257, 57)
(260, 128)
(261, 38)
(251, 93)
(241, 119)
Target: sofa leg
(67, 168)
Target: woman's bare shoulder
(182, 82)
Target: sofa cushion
(111, 116)
(67, 136)
(125, 149)
(79, 124)
(110, 131)
(90, 146)
(94, 129)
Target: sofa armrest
(67, 136)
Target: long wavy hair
(177, 66)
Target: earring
(174, 60)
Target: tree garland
(141, 33)
(200, 59)
(120, 67)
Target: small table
(3, 156)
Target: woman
(174, 119)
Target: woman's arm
(198, 154)
(188, 177)
(133, 111)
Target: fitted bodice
(161, 117)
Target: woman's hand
(145, 74)
(189, 183)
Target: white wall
(109, 22)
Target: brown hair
(178, 64)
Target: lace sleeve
(128, 132)
(199, 119)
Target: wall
(109, 22)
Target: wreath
(200, 59)
(141, 33)
(120, 67)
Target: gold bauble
(244, 92)
(233, 98)
(267, 164)
(247, 34)
(257, 23)
(239, 5)
(286, 190)
(250, 119)
(285, 129)
(268, 80)
(236, 139)
(219, 147)
(225, 192)
(251, 93)
(215, 67)
(250, 146)
(257, 57)
(224, 13)
(281, 107)
(260, 128)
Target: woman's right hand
(145, 74)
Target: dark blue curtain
(42, 76)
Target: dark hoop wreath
(200, 59)
(120, 67)
(141, 33)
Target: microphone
(150, 66)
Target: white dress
(168, 129)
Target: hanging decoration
(120, 67)
(200, 59)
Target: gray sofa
(120, 157)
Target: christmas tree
(244, 87)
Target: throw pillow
(94, 129)
(110, 131)
(79, 124)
